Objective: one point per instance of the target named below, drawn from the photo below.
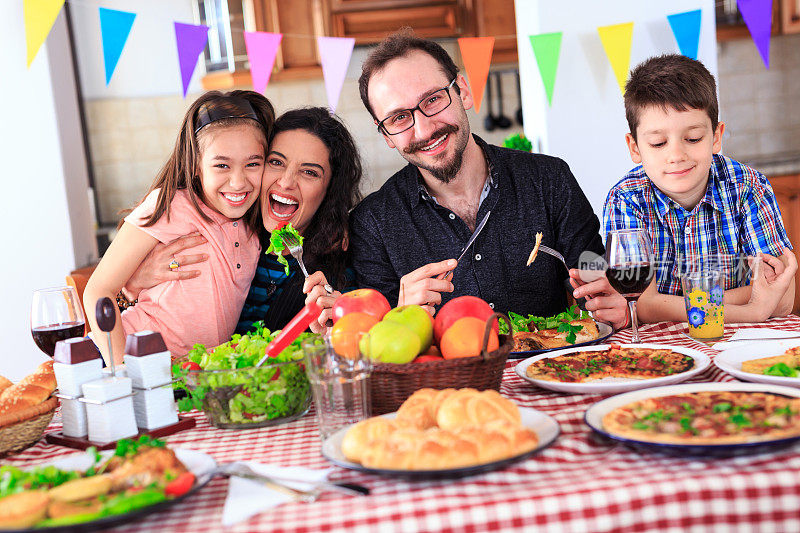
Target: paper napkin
(247, 497)
(753, 334)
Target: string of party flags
(335, 52)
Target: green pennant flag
(547, 48)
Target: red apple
(459, 308)
(425, 358)
(367, 301)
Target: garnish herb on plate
(783, 370)
(276, 245)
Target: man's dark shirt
(400, 228)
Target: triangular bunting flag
(334, 54)
(262, 47)
(191, 40)
(547, 48)
(115, 26)
(757, 14)
(617, 40)
(476, 53)
(39, 18)
(686, 28)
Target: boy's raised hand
(770, 284)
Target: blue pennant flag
(115, 26)
(686, 28)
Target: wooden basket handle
(488, 328)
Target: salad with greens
(559, 322)
(225, 383)
(276, 245)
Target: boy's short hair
(397, 45)
(670, 80)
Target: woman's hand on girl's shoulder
(314, 289)
(156, 269)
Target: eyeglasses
(430, 105)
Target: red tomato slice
(180, 485)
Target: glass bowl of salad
(235, 394)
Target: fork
(549, 251)
(296, 249)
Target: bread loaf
(17, 401)
(483, 427)
(4, 383)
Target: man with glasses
(404, 237)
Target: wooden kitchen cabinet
(495, 18)
(787, 192)
(370, 21)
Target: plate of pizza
(612, 368)
(775, 362)
(701, 417)
(534, 335)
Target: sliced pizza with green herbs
(615, 362)
(708, 417)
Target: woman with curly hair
(311, 180)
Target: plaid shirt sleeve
(761, 223)
(620, 213)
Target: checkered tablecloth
(580, 483)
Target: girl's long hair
(326, 239)
(181, 171)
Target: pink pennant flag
(262, 48)
(334, 54)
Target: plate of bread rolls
(31, 402)
(443, 433)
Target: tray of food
(701, 418)
(534, 335)
(776, 362)
(443, 434)
(612, 368)
(233, 393)
(94, 490)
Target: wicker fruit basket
(28, 428)
(392, 384)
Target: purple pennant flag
(757, 14)
(191, 40)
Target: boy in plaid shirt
(694, 202)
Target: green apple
(390, 342)
(415, 318)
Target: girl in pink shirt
(210, 185)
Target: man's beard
(445, 173)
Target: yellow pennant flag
(39, 18)
(617, 44)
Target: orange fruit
(465, 338)
(345, 334)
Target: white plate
(614, 385)
(731, 360)
(545, 427)
(594, 416)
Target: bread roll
(418, 410)
(468, 407)
(4, 383)
(32, 390)
(359, 437)
(43, 376)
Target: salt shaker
(77, 361)
(109, 400)
(149, 364)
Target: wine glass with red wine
(56, 315)
(630, 267)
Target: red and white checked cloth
(580, 483)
